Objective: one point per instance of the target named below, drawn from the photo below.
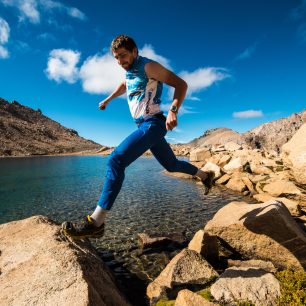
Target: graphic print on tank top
(143, 94)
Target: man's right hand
(102, 105)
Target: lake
(68, 187)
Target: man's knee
(116, 160)
(113, 160)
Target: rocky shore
(242, 254)
(247, 254)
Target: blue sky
(244, 61)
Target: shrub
(293, 287)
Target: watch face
(174, 108)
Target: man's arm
(120, 90)
(158, 72)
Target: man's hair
(123, 41)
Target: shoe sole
(79, 237)
(83, 236)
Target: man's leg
(164, 154)
(147, 134)
(128, 151)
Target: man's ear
(135, 52)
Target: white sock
(201, 174)
(99, 215)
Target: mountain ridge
(26, 132)
(270, 135)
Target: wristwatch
(174, 109)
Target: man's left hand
(171, 121)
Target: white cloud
(248, 114)
(4, 37)
(149, 52)
(27, 9)
(76, 13)
(4, 52)
(248, 52)
(62, 65)
(202, 78)
(4, 31)
(193, 98)
(101, 74)
(46, 36)
(174, 140)
(31, 9)
(21, 46)
(177, 130)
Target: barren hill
(24, 132)
(274, 134)
(215, 137)
(270, 136)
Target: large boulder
(196, 243)
(235, 164)
(294, 154)
(39, 266)
(236, 184)
(224, 160)
(205, 245)
(281, 188)
(250, 284)
(255, 263)
(232, 146)
(259, 169)
(186, 268)
(199, 154)
(260, 231)
(293, 207)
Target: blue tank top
(143, 94)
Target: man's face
(125, 58)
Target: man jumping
(143, 85)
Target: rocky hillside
(269, 136)
(274, 134)
(24, 132)
(216, 137)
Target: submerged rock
(153, 241)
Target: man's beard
(128, 66)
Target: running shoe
(84, 228)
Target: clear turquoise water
(67, 188)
